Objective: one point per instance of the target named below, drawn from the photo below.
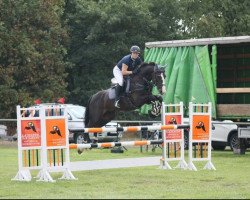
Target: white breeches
(118, 75)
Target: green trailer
(203, 70)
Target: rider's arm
(125, 70)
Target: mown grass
(230, 180)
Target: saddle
(125, 88)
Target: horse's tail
(87, 113)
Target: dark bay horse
(101, 110)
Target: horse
(100, 108)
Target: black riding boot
(118, 89)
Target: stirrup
(117, 105)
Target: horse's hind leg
(86, 138)
(86, 135)
(107, 117)
(95, 138)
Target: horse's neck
(140, 80)
(147, 74)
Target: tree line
(61, 48)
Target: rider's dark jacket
(127, 60)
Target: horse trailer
(204, 70)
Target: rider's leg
(119, 77)
(118, 89)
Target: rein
(143, 83)
(146, 85)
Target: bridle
(149, 84)
(158, 73)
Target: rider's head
(135, 51)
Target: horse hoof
(79, 151)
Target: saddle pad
(111, 92)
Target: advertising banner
(31, 133)
(55, 132)
(201, 127)
(173, 134)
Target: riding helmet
(135, 49)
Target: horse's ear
(162, 68)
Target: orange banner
(201, 127)
(174, 133)
(56, 132)
(30, 133)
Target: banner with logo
(201, 127)
(30, 133)
(173, 134)
(55, 132)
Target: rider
(126, 66)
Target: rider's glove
(135, 71)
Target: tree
(32, 51)
(103, 31)
(212, 18)
(235, 17)
(166, 15)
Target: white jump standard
(200, 116)
(173, 146)
(43, 142)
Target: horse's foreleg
(151, 98)
(155, 101)
(154, 98)
(159, 98)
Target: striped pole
(114, 144)
(135, 128)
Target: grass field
(230, 180)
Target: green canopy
(189, 75)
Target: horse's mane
(145, 64)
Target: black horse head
(152, 72)
(159, 79)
